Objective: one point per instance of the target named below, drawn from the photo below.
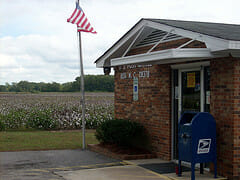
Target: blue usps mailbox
(197, 140)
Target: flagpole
(82, 90)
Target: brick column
(225, 107)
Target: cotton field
(53, 110)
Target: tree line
(93, 83)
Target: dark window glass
(191, 91)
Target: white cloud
(43, 58)
(37, 44)
(8, 60)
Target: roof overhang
(216, 47)
(165, 56)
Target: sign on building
(135, 88)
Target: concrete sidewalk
(132, 171)
(85, 165)
(113, 173)
(186, 175)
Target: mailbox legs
(201, 168)
(193, 171)
(179, 168)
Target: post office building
(163, 68)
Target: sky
(38, 45)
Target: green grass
(44, 140)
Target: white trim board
(190, 65)
(165, 56)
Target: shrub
(121, 132)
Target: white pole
(82, 91)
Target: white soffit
(164, 56)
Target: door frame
(184, 68)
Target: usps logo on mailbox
(204, 146)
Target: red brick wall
(236, 116)
(225, 107)
(153, 106)
(153, 109)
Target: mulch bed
(121, 152)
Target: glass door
(191, 88)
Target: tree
(95, 83)
(92, 83)
(3, 88)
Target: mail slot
(197, 140)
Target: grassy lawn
(44, 140)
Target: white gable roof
(216, 46)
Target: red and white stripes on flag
(79, 18)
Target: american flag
(79, 18)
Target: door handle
(185, 136)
